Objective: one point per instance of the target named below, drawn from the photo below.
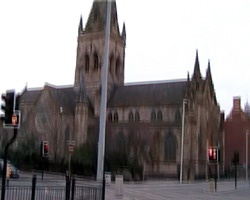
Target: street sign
(71, 145)
(71, 149)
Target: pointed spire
(188, 77)
(124, 36)
(209, 75)
(97, 16)
(209, 80)
(247, 108)
(80, 27)
(197, 72)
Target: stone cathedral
(145, 122)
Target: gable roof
(64, 96)
(156, 94)
(30, 96)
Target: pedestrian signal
(45, 148)
(212, 154)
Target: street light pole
(247, 132)
(102, 124)
(182, 139)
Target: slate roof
(149, 94)
(30, 96)
(155, 94)
(64, 96)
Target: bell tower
(90, 52)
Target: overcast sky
(38, 40)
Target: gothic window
(120, 147)
(116, 118)
(96, 61)
(153, 116)
(197, 86)
(111, 60)
(110, 117)
(137, 116)
(86, 63)
(170, 147)
(159, 116)
(130, 116)
(177, 115)
(117, 67)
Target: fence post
(67, 188)
(33, 187)
(73, 188)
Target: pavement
(164, 190)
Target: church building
(145, 121)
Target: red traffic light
(45, 148)
(212, 154)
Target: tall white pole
(102, 124)
(182, 139)
(247, 132)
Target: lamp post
(182, 139)
(247, 132)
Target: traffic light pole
(215, 176)
(5, 163)
(42, 166)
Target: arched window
(117, 67)
(86, 63)
(130, 116)
(116, 118)
(177, 115)
(110, 117)
(96, 61)
(153, 116)
(137, 116)
(170, 147)
(159, 116)
(111, 60)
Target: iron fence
(70, 191)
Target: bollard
(33, 194)
(108, 178)
(119, 186)
(211, 181)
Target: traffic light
(12, 116)
(45, 148)
(213, 154)
(8, 107)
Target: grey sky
(38, 42)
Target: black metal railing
(18, 192)
(70, 191)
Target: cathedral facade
(159, 125)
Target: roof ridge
(156, 82)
